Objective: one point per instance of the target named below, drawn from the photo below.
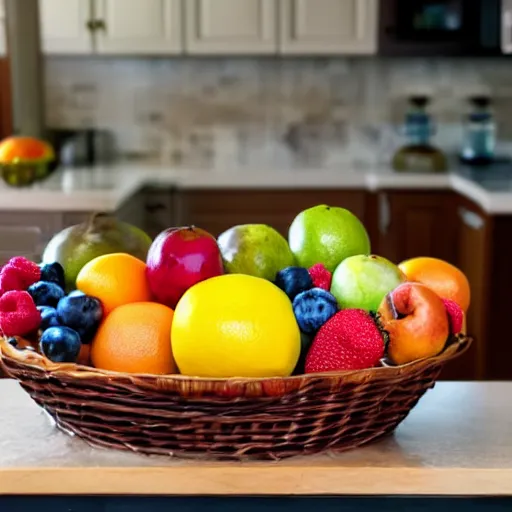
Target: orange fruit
(445, 279)
(17, 149)
(135, 338)
(115, 279)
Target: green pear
(255, 249)
(361, 282)
(328, 235)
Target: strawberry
(28, 271)
(321, 276)
(455, 315)
(18, 314)
(350, 340)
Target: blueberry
(293, 280)
(82, 313)
(313, 308)
(305, 342)
(60, 344)
(53, 273)
(76, 293)
(48, 317)
(45, 293)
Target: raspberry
(28, 271)
(321, 276)
(455, 315)
(18, 314)
(9, 280)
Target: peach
(415, 318)
(446, 280)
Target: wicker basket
(226, 419)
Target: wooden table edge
(269, 480)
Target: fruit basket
(226, 419)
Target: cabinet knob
(95, 25)
(471, 219)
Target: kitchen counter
(456, 442)
(105, 188)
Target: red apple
(415, 318)
(178, 259)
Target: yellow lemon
(235, 326)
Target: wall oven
(445, 27)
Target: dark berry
(60, 344)
(45, 293)
(82, 313)
(293, 280)
(48, 317)
(53, 273)
(313, 308)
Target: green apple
(328, 235)
(255, 249)
(362, 281)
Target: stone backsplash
(216, 111)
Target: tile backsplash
(225, 111)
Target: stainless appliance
(445, 27)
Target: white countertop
(106, 187)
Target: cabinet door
(231, 26)
(473, 259)
(65, 26)
(328, 26)
(139, 26)
(412, 224)
(219, 210)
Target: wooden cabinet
(157, 210)
(138, 26)
(231, 26)
(65, 26)
(218, 210)
(407, 224)
(328, 26)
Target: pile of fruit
(247, 304)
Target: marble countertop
(457, 441)
(106, 187)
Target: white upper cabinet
(65, 26)
(223, 27)
(231, 26)
(328, 26)
(138, 26)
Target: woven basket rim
(454, 348)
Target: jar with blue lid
(479, 133)
(418, 154)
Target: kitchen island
(456, 444)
